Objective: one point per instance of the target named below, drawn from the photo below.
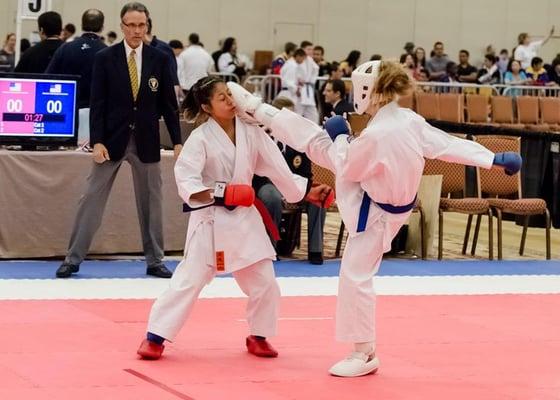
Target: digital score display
(37, 107)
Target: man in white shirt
(528, 49)
(194, 63)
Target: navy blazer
(114, 115)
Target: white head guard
(363, 81)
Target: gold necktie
(133, 73)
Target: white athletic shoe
(356, 364)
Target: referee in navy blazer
(131, 88)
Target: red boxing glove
(231, 196)
(321, 195)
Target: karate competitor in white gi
(377, 179)
(226, 233)
(290, 75)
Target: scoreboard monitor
(38, 110)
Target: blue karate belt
(364, 210)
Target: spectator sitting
(489, 73)
(554, 71)
(335, 95)
(280, 60)
(450, 72)
(437, 65)
(515, 76)
(407, 62)
(335, 73)
(527, 49)
(420, 72)
(465, 71)
(272, 198)
(38, 57)
(503, 62)
(537, 74)
(350, 63)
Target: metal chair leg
(547, 232)
(524, 235)
(490, 235)
(440, 236)
(467, 234)
(475, 236)
(423, 244)
(339, 240)
(499, 231)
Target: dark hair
(353, 58)
(24, 44)
(150, 25)
(438, 43)
(464, 52)
(134, 6)
(503, 51)
(200, 94)
(535, 61)
(402, 58)
(112, 34)
(376, 57)
(305, 43)
(228, 44)
(290, 47)
(175, 44)
(194, 38)
(490, 57)
(510, 63)
(521, 37)
(70, 28)
(320, 48)
(300, 53)
(93, 20)
(333, 66)
(50, 22)
(338, 86)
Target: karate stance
(226, 233)
(377, 179)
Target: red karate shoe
(260, 348)
(150, 350)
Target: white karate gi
(289, 78)
(207, 157)
(307, 107)
(386, 161)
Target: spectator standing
(37, 58)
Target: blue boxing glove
(510, 160)
(335, 126)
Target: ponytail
(200, 94)
(393, 81)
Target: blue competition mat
(284, 268)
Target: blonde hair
(392, 82)
(282, 102)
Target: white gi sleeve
(305, 137)
(443, 146)
(271, 163)
(188, 170)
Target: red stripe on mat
(160, 385)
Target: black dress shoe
(159, 270)
(66, 270)
(315, 258)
